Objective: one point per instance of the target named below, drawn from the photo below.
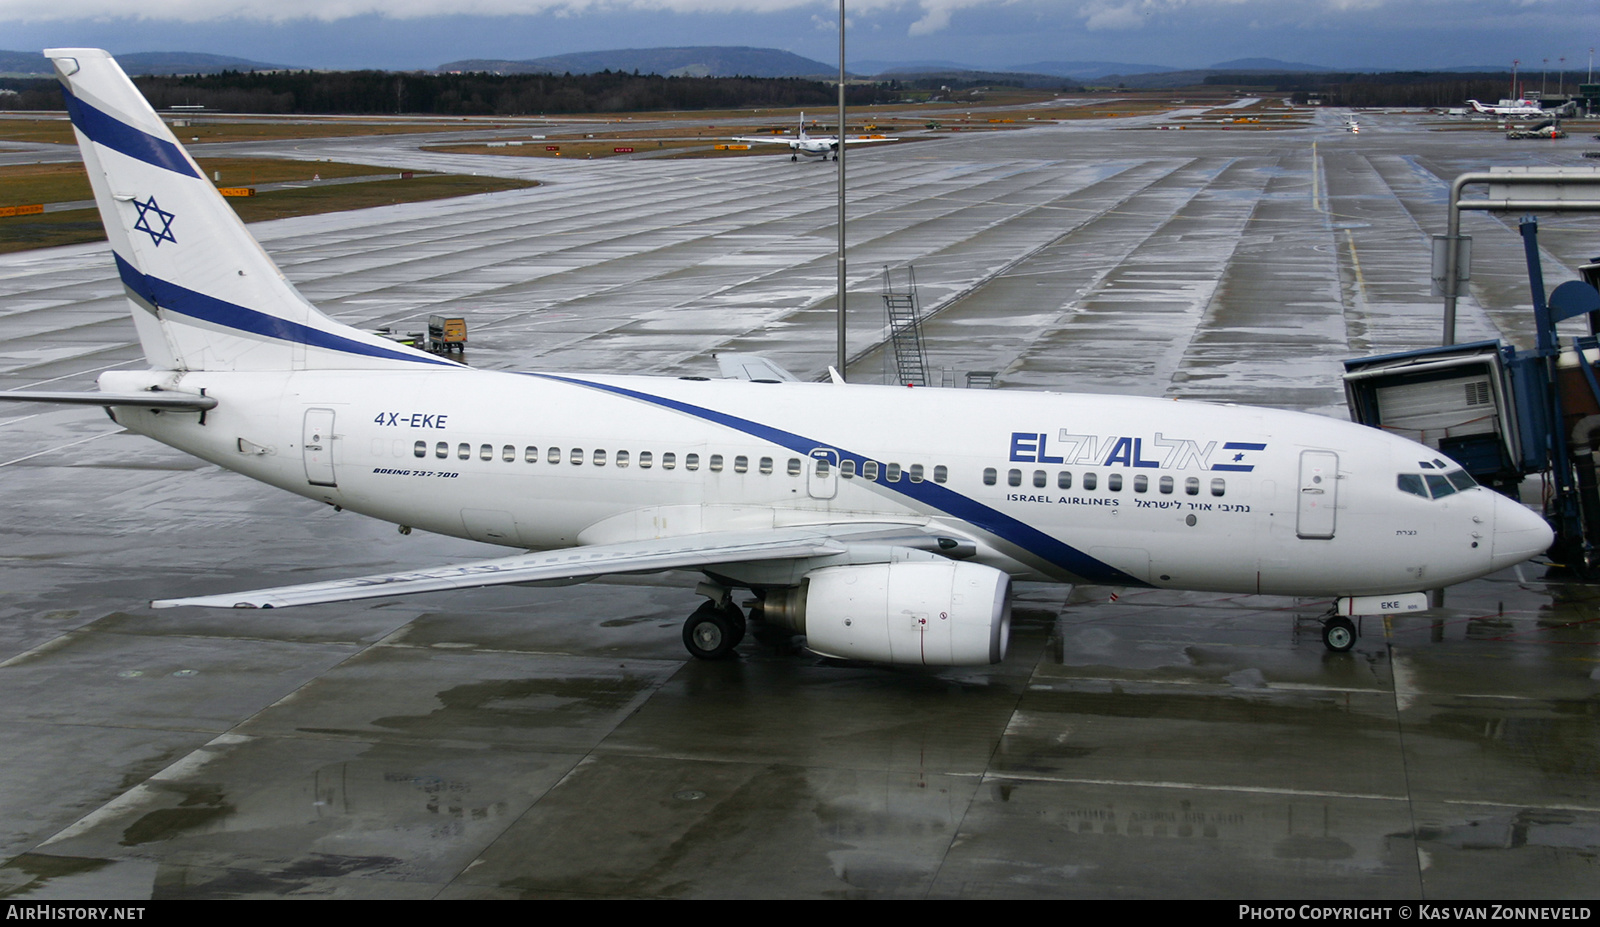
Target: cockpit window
(1435, 485)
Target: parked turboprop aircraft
(885, 524)
(812, 146)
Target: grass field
(57, 130)
(55, 183)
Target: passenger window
(1014, 477)
(530, 454)
(847, 468)
(599, 458)
(741, 464)
(1218, 486)
(1064, 479)
(794, 466)
(892, 473)
(508, 453)
(645, 460)
(441, 450)
(1191, 486)
(576, 457)
(691, 461)
(421, 449)
(941, 474)
(1114, 482)
(869, 470)
(716, 463)
(1141, 483)
(1040, 479)
(463, 451)
(1438, 485)
(766, 465)
(486, 452)
(670, 460)
(554, 455)
(622, 458)
(1412, 483)
(915, 472)
(1090, 481)
(1166, 485)
(989, 476)
(822, 466)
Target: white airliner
(1519, 108)
(885, 524)
(812, 146)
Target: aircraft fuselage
(1047, 486)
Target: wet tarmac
(560, 743)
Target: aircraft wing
(576, 564)
(868, 139)
(765, 139)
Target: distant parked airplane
(1515, 108)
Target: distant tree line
(471, 94)
(1392, 88)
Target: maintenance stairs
(905, 330)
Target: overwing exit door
(822, 482)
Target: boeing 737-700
(884, 524)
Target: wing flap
(573, 563)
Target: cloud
(935, 13)
(1112, 15)
(278, 11)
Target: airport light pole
(838, 159)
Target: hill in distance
(694, 61)
(34, 64)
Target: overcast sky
(985, 33)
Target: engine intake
(928, 613)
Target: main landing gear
(1338, 633)
(715, 628)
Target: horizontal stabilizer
(147, 400)
(575, 563)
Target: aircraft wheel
(1338, 634)
(711, 633)
(794, 157)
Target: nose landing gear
(1338, 633)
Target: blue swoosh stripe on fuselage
(184, 301)
(105, 129)
(1015, 531)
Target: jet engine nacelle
(931, 613)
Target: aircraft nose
(1519, 533)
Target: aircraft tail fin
(203, 293)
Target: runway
(559, 743)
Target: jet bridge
(1506, 414)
